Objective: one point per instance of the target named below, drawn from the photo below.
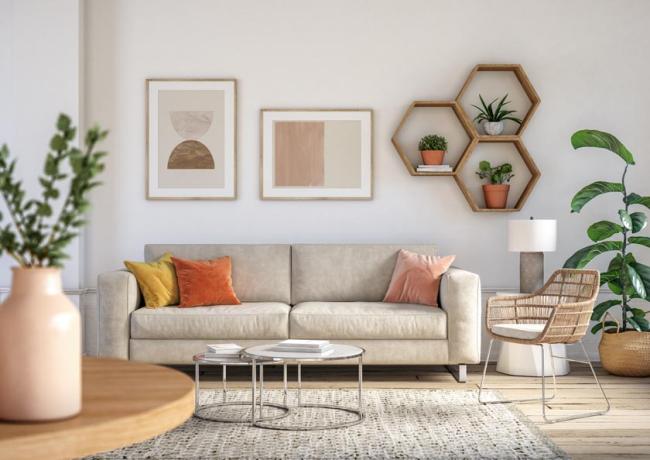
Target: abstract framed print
(191, 139)
(315, 154)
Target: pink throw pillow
(416, 278)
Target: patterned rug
(414, 424)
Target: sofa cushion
(345, 272)
(366, 320)
(260, 272)
(250, 320)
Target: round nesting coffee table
(201, 411)
(260, 354)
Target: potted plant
(624, 343)
(491, 118)
(432, 149)
(496, 192)
(40, 337)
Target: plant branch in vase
(496, 192)
(38, 323)
(491, 118)
(623, 340)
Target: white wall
(40, 64)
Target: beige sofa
(330, 292)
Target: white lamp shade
(532, 235)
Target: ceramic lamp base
(531, 271)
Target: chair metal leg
(583, 414)
(481, 386)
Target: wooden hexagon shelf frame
(528, 161)
(476, 138)
(523, 80)
(460, 116)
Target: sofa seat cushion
(250, 320)
(367, 321)
(518, 331)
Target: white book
(208, 355)
(224, 346)
(301, 350)
(289, 354)
(434, 168)
(301, 343)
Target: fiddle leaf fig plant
(496, 175)
(628, 279)
(36, 235)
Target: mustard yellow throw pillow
(157, 281)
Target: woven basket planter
(626, 353)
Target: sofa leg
(459, 371)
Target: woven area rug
(398, 424)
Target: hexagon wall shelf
(528, 161)
(523, 80)
(460, 117)
(475, 138)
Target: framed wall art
(191, 139)
(316, 154)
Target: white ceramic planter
(40, 349)
(493, 128)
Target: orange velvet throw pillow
(416, 278)
(205, 282)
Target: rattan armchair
(558, 313)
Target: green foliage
(496, 175)
(433, 142)
(34, 237)
(628, 279)
(487, 112)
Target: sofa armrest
(118, 295)
(460, 297)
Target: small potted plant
(496, 192)
(491, 118)
(432, 149)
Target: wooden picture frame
(191, 139)
(316, 154)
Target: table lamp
(531, 238)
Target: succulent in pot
(40, 330)
(496, 192)
(625, 342)
(491, 118)
(432, 149)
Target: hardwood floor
(623, 433)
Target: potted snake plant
(625, 340)
(496, 191)
(491, 118)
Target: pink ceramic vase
(40, 349)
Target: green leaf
(608, 276)
(58, 143)
(642, 240)
(638, 323)
(591, 191)
(63, 122)
(639, 221)
(602, 140)
(601, 308)
(599, 326)
(585, 255)
(602, 230)
(634, 198)
(636, 281)
(644, 273)
(626, 220)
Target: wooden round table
(124, 402)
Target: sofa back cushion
(260, 272)
(345, 273)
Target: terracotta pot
(493, 128)
(496, 195)
(40, 349)
(626, 353)
(432, 157)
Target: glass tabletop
(236, 360)
(339, 351)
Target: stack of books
(222, 350)
(435, 168)
(315, 347)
